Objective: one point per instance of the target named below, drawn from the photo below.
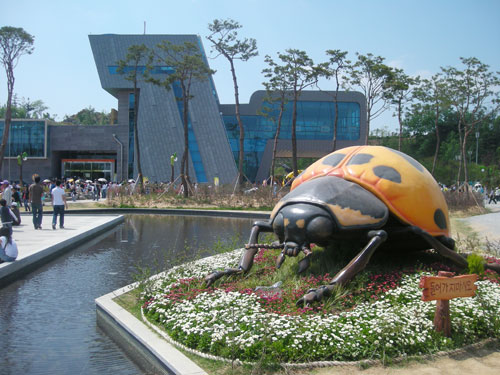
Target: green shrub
(475, 264)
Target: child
(8, 247)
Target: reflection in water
(47, 318)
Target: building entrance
(89, 169)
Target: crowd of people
(33, 197)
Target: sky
(416, 36)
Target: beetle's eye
(320, 229)
(279, 226)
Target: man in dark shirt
(36, 192)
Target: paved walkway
(488, 225)
(36, 245)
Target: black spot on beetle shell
(440, 219)
(410, 160)
(360, 159)
(387, 173)
(333, 160)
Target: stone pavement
(36, 247)
(487, 226)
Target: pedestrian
(15, 209)
(8, 217)
(16, 197)
(8, 247)
(26, 199)
(497, 194)
(58, 204)
(492, 197)
(7, 192)
(35, 195)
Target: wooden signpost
(442, 288)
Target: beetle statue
(371, 192)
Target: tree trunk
(8, 115)
(294, 134)
(335, 123)
(438, 140)
(140, 180)
(400, 124)
(464, 144)
(185, 168)
(461, 151)
(21, 174)
(241, 156)
(275, 144)
(368, 112)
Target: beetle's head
(297, 225)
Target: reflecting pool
(48, 319)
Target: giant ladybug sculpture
(370, 192)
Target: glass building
(160, 115)
(314, 127)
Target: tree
(136, 55)
(300, 73)
(14, 42)
(188, 67)
(473, 97)
(399, 88)
(332, 69)
(224, 39)
(89, 116)
(431, 94)
(20, 159)
(27, 109)
(277, 88)
(370, 74)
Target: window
(26, 136)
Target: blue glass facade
(113, 69)
(25, 136)
(194, 150)
(315, 121)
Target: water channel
(47, 318)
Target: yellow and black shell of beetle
(405, 186)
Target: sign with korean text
(446, 288)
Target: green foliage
(89, 116)
(475, 264)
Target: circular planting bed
(380, 315)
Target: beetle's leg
(306, 261)
(246, 260)
(216, 275)
(377, 237)
(446, 252)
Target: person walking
(35, 194)
(26, 199)
(7, 192)
(492, 197)
(8, 247)
(59, 203)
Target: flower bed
(384, 319)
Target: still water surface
(47, 319)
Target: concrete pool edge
(147, 348)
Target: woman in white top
(8, 247)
